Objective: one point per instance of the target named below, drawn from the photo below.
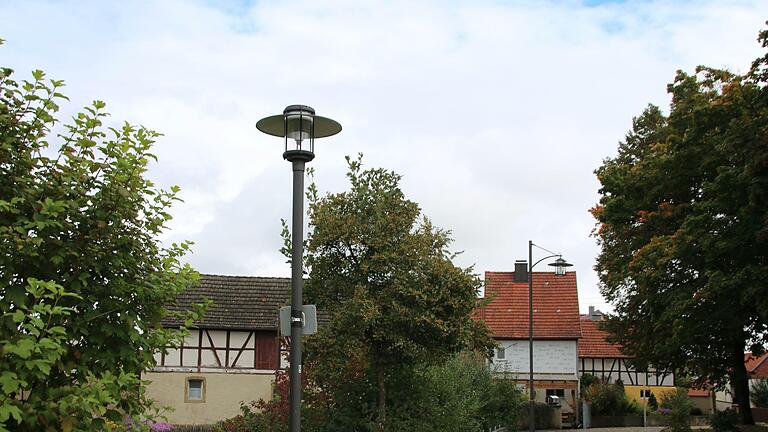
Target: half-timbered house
(757, 369)
(604, 360)
(555, 331)
(230, 357)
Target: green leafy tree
(683, 229)
(83, 278)
(384, 275)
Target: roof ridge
(512, 272)
(244, 276)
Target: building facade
(555, 331)
(229, 358)
(599, 358)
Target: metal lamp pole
(560, 264)
(299, 123)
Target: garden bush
(609, 400)
(653, 404)
(460, 395)
(724, 421)
(679, 405)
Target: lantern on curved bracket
(560, 265)
(299, 124)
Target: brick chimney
(521, 271)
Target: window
(195, 390)
(501, 353)
(645, 393)
(556, 392)
(266, 351)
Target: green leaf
(22, 348)
(7, 410)
(9, 382)
(18, 316)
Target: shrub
(653, 404)
(609, 400)
(460, 395)
(619, 384)
(724, 421)
(501, 405)
(679, 405)
(587, 380)
(759, 393)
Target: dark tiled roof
(239, 302)
(555, 306)
(593, 344)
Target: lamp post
(300, 124)
(560, 265)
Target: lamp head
(560, 265)
(300, 124)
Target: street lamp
(560, 265)
(300, 124)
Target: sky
(495, 113)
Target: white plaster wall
(219, 338)
(549, 357)
(619, 369)
(223, 393)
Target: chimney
(521, 271)
(595, 314)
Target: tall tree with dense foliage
(385, 277)
(683, 228)
(83, 278)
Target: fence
(637, 421)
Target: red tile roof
(695, 392)
(555, 306)
(593, 344)
(757, 366)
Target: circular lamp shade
(298, 122)
(560, 265)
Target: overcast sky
(496, 113)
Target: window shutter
(266, 351)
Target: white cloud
(495, 113)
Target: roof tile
(555, 306)
(239, 302)
(593, 344)
(757, 366)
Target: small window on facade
(645, 393)
(501, 353)
(556, 392)
(195, 390)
